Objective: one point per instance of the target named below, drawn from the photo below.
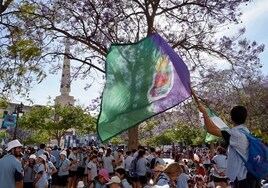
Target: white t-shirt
(42, 182)
(235, 165)
(221, 163)
(49, 170)
(127, 162)
(126, 184)
(108, 163)
(182, 181)
(74, 166)
(160, 161)
(64, 167)
(141, 166)
(121, 161)
(92, 169)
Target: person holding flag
(236, 141)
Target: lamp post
(17, 111)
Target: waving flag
(143, 79)
(216, 120)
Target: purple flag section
(179, 89)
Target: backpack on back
(132, 169)
(257, 163)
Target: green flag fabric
(217, 121)
(142, 79)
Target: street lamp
(17, 111)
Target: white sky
(254, 18)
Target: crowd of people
(92, 166)
(101, 167)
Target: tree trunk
(58, 140)
(57, 136)
(133, 141)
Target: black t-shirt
(152, 165)
(18, 176)
(226, 136)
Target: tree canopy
(19, 54)
(34, 32)
(55, 121)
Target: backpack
(132, 168)
(257, 163)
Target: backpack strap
(248, 135)
(251, 137)
(244, 160)
(163, 177)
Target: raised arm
(210, 126)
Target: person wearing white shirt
(158, 158)
(120, 160)
(140, 147)
(236, 141)
(41, 175)
(219, 162)
(51, 169)
(108, 162)
(11, 171)
(92, 170)
(63, 171)
(183, 179)
(128, 160)
(72, 180)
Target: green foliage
(37, 137)
(189, 134)
(116, 140)
(24, 50)
(92, 26)
(3, 134)
(182, 133)
(27, 8)
(163, 139)
(20, 66)
(55, 121)
(3, 103)
(146, 130)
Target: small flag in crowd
(216, 120)
(143, 79)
